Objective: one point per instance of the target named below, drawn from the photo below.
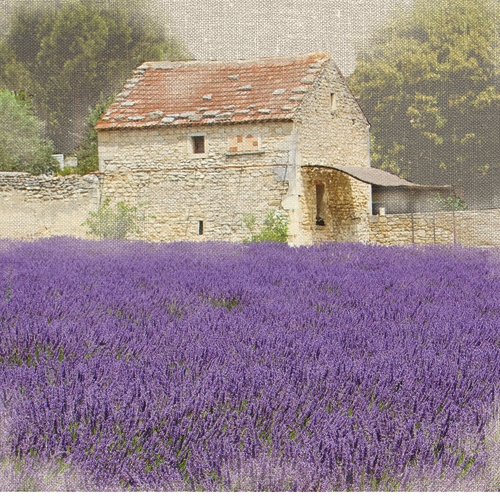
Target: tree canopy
(75, 53)
(87, 152)
(429, 87)
(21, 145)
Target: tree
(76, 52)
(21, 145)
(87, 152)
(429, 87)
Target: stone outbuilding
(199, 146)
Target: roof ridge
(316, 55)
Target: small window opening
(320, 204)
(333, 102)
(198, 142)
(200, 227)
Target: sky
(233, 29)
(239, 29)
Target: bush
(21, 145)
(450, 203)
(275, 227)
(112, 223)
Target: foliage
(450, 203)
(113, 223)
(275, 227)
(87, 153)
(21, 145)
(342, 366)
(429, 87)
(70, 55)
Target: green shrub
(275, 227)
(450, 203)
(113, 223)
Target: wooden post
(454, 222)
(434, 223)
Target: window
(200, 227)
(333, 102)
(320, 205)
(198, 144)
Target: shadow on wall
(332, 210)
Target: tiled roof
(379, 177)
(194, 92)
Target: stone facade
(42, 206)
(174, 205)
(330, 130)
(176, 189)
(331, 127)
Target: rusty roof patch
(169, 93)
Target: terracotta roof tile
(168, 93)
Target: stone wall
(169, 147)
(42, 206)
(481, 228)
(176, 188)
(337, 136)
(346, 205)
(174, 202)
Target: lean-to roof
(379, 177)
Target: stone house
(200, 145)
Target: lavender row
(218, 366)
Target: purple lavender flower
(138, 366)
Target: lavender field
(138, 366)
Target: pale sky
(233, 29)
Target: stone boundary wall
(480, 228)
(175, 201)
(43, 206)
(469, 228)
